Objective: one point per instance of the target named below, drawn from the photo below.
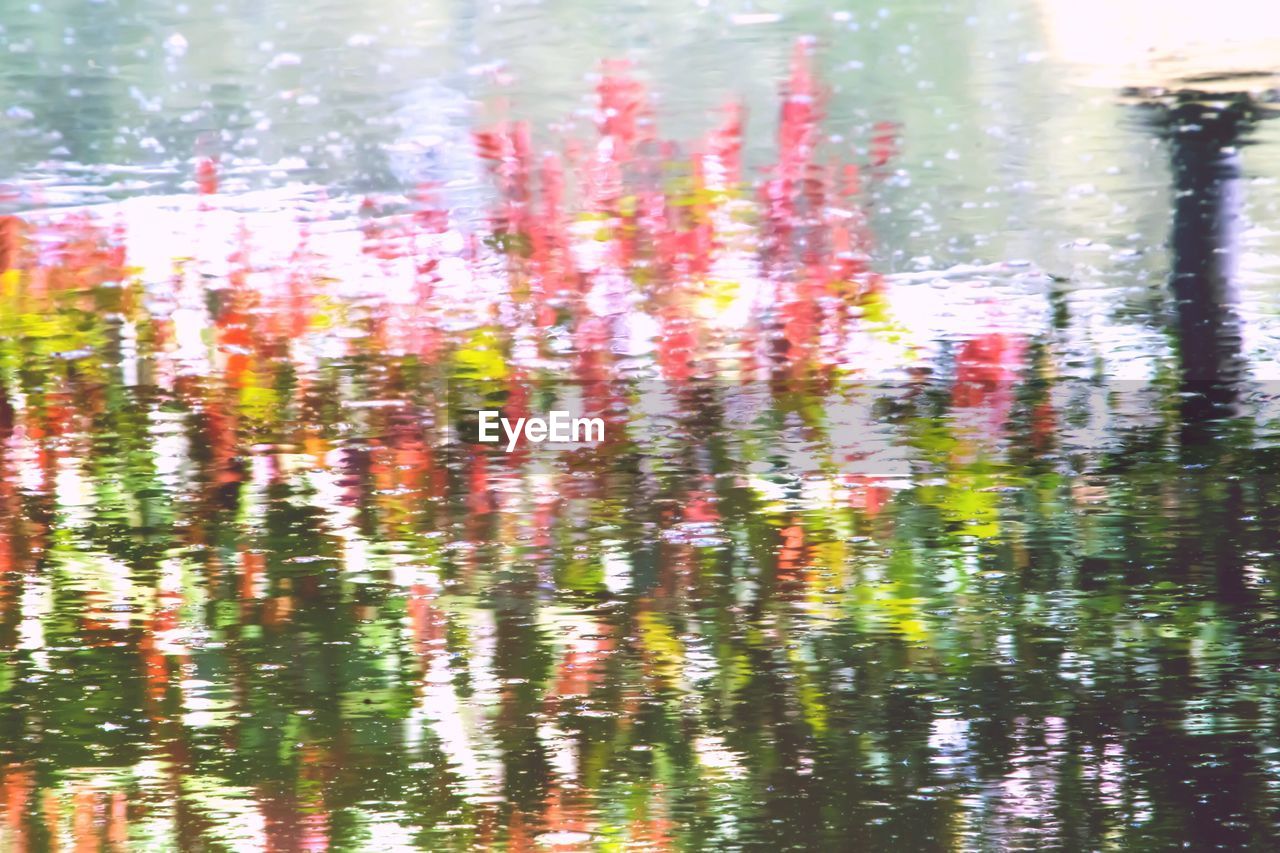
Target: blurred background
(1020, 595)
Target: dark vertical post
(1204, 140)
(1207, 182)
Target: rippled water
(926, 517)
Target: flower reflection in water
(861, 563)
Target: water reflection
(1204, 138)
(868, 560)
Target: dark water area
(938, 504)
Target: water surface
(901, 537)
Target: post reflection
(1204, 138)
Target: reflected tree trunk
(1207, 182)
